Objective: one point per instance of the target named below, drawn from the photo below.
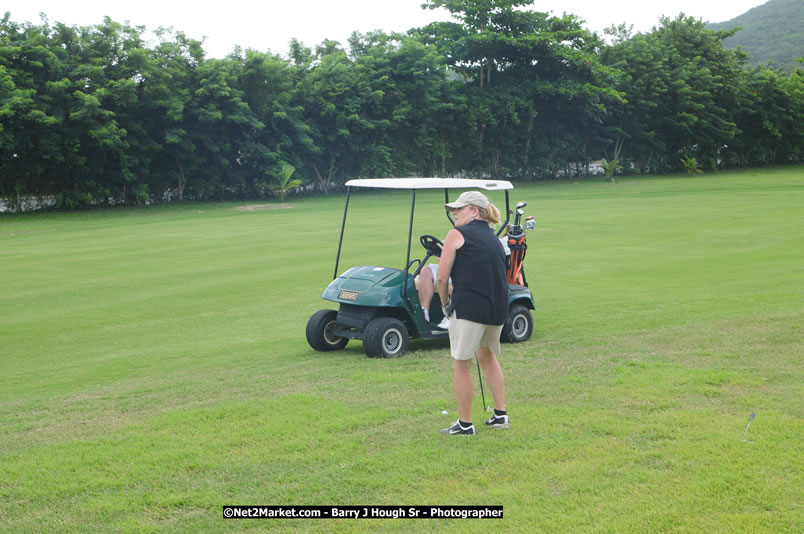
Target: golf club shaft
(480, 377)
(746, 426)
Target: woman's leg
(494, 376)
(462, 384)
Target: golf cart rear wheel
(385, 337)
(519, 325)
(320, 329)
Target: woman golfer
(474, 258)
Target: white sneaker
(498, 421)
(457, 430)
(444, 324)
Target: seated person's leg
(426, 289)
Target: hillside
(772, 32)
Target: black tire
(319, 332)
(519, 325)
(385, 337)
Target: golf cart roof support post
(446, 201)
(507, 215)
(410, 237)
(343, 226)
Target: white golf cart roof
(431, 183)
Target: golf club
(746, 426)
(480, 377)
(515, 228)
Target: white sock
(426, 314)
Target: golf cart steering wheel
(432, 244)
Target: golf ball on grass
(444, 412)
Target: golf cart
(380, 305)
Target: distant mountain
(771, 32)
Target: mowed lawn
(154, 367)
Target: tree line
(92, 115)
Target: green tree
(769, 114)
(170, 81)
(536, 92)
(105, 61)
(337, 103)
(691, 166)
(610, 167)
(227, 133)
(268, 83)
(284, 184)
(32, 93)
(410, 79)
(681, 89)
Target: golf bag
(517, 244)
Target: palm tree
(284, 184)
(691, 166)
(610, 167)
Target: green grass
(153, 367)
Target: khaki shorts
(465, 337)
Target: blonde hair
(491, 214)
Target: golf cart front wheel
(385, 337)
(519, 325)
(320, 330)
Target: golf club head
(520, 205)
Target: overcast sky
(271, 24)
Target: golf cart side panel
(520, 295)
(353, 319)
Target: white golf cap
(469, 198)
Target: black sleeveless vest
(480, 289)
